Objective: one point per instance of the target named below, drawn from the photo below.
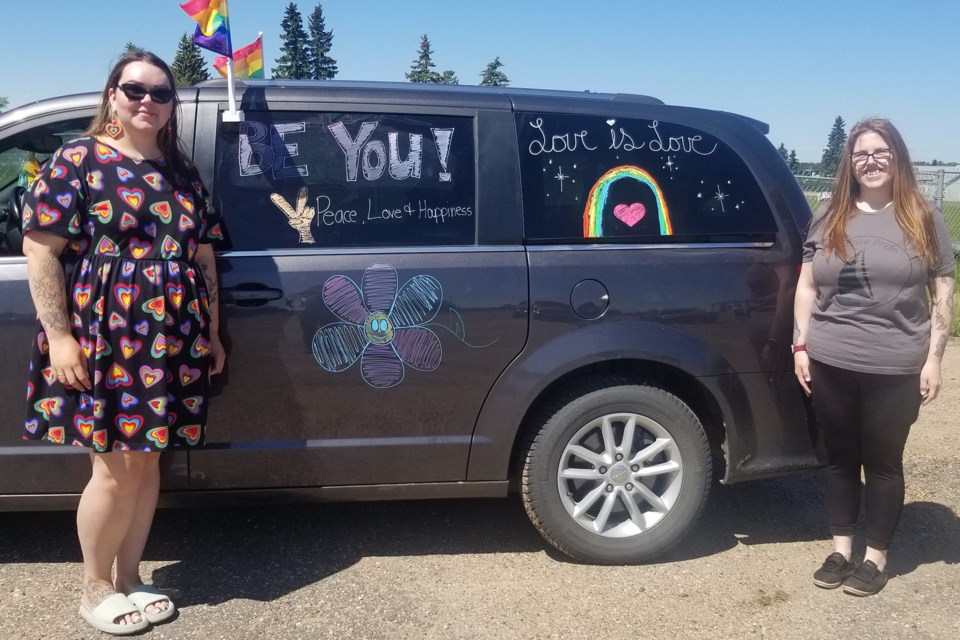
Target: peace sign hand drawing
(301, 218)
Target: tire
(609, 510)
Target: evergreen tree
(322, 66)
(449, 77)
(188, 66)
(3, 103)
(130, 47)
(492, 76)
(793, 162)
(294, 63)
(422, 68)
(835, 141)
(783, 152)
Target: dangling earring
(114, 129)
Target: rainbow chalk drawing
(593, 212)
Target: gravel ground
(477, 569)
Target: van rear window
(594, 179)
(316, 179)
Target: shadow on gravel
(928, 533)
(264, 553)
(774, 510)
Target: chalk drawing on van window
(373, 158)
(560, 177)
(655, 140)
(629, 213)
(557, 143)
(443, 139)
(299, 218)
(385, 326)
(265, 147)
(718, 197)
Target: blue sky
(794, 65)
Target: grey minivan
(439, 292)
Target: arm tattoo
(948, 282)
(49, 289)
(55, 322)
(941, 346)
(941, 321)
(209, 276)
(796, 331)
(943, 306)
(942, 313)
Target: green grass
(8, 175)
(951, 213)
(10, 162)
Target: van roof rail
(636, 97)
(412, 86)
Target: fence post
(938, 198)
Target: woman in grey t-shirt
(865, 347)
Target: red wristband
(796, 348)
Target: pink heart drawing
(630, 214)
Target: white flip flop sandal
(146, 595)
(116, 606)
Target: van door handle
(250, 294)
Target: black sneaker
(834, 571)
(867, 580)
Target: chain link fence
(10, 163)
(941, 186)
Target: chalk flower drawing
(382, 325)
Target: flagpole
(231, 114)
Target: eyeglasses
(880, 155)
(136, 93)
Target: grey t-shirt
(871, 314)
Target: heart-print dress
(135, 297)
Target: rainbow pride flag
(213, 25)
(247, 61)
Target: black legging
(865, 419)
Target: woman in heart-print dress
(117, 233)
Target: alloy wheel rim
(620, 475)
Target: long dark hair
(910, 207)
(181, 170)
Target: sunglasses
(136, 93)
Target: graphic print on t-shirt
(853, 285)
(875, 275)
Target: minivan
(444, 292)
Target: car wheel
(617, 472)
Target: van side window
(594, 179)
(314, 180)
(21, 160)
